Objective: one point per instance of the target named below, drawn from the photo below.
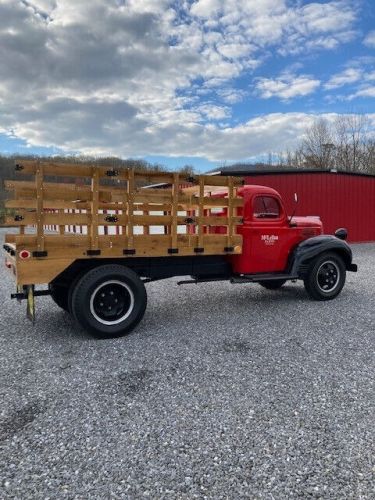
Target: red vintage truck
(214, 229)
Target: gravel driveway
(223, 391)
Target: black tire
(325, 277)
(59, 294)
(109, 301)
(272, 284)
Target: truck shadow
(18, 420)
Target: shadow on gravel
(18, 420)
(126, 384)
(236, 346)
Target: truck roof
(252, 189)
(255, 189)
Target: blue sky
(199, 82)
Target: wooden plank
(60, 193)
(61, 226)
(230, 212)
(58, 169)
(55, 241)
(218, 202)
(49, 204)
(150, 193)
(201, 212)
(82, 240)
(41, 271)
(21, 204)
(220, 180)
(66, 219)
(10, 238)
(129, 230)
(39, 207)
(15, 185)
(212, 220)
(154, 178)
(28, 219)
(94, 210)
(84, 219)
(146, 228)
(175, 190)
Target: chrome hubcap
(112, 302)
(328, 276)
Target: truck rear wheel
(325, 277)
(109, 301)
(59, 294)
(272, 284)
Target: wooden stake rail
(144, 222)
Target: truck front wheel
(109, 301)
(325, 277)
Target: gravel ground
(223, 391)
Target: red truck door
(267, 236)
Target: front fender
(312, 247)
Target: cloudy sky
(186, 81)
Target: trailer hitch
(29, 293)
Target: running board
(204, 280)
(255, 278)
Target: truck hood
(309, 221)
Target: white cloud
(370, 39)
(327, 17)
(286, 86)
(119, 77)
(364, 91)
(350, 75)
(213, 112)
(231, 96)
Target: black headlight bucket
(341, 233)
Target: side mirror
(292, 224)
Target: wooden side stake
(39, 207)
(130, 225)
(201, 212)
(175, 189)
(94, 209)
(230, 212)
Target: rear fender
(312, 247)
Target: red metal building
(340, 199)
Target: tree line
(346, 144)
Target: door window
(266, 207)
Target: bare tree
(316, 147)
(352, 138)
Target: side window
(266, 207)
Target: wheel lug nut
(111, 293)
(101, 304)
(103, 295)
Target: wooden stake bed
(78, 211)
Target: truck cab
(269, 233)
